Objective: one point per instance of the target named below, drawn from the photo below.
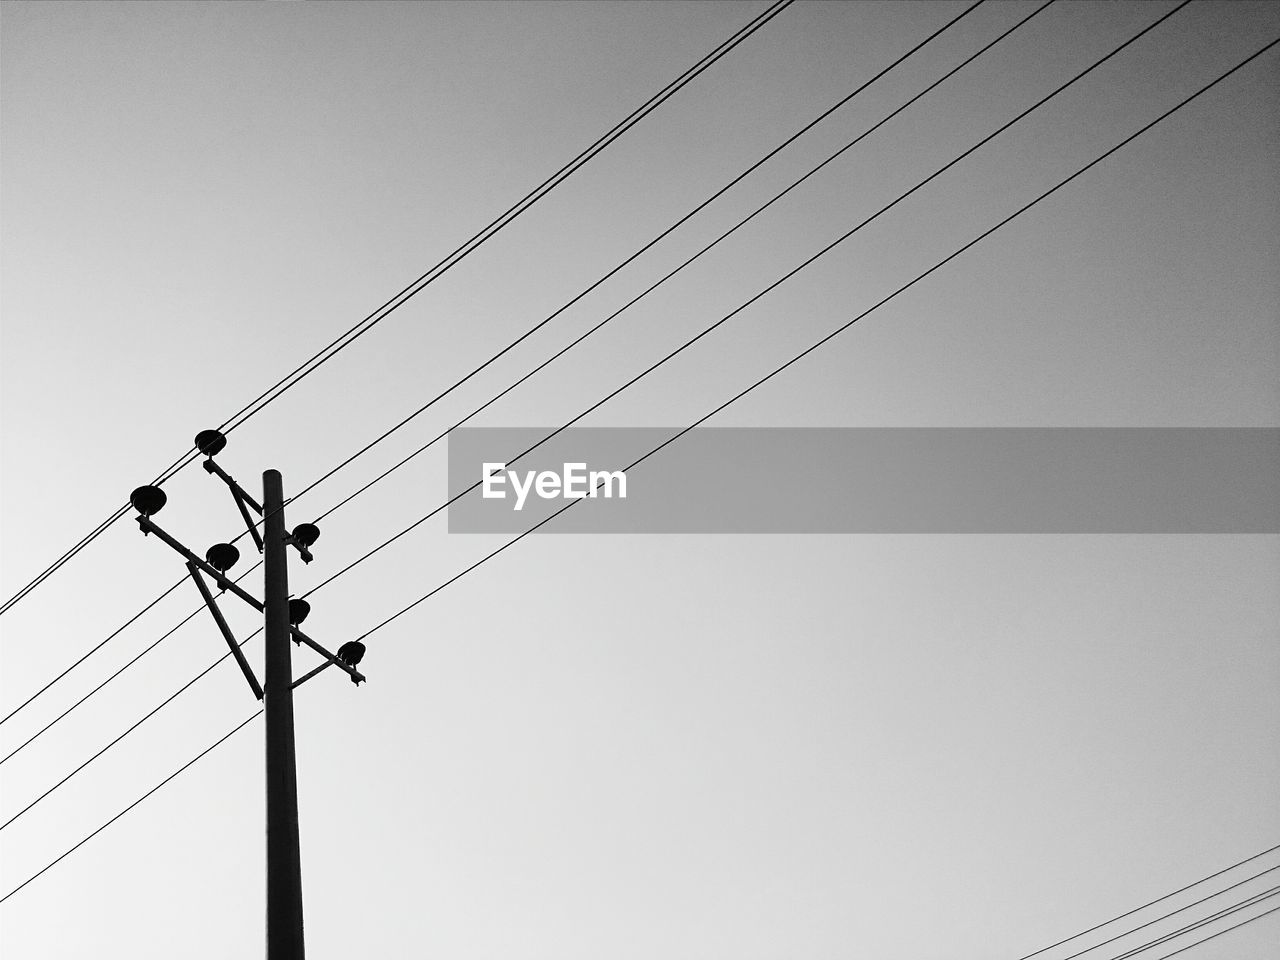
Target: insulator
(351, 652)
(222, 556)
(148, 500)
(210, 442)
(306, 534)
(298, 610)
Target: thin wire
(154, 710)
(57, 564)
(64, 713)
(686, 263)
(684, 219)
(345, 339)
(815, 346)
(72, 849)
(620, 266)
(85, 656)
(165, 636)
(655, 365)
(366, 556)
(1151, 903)
(788, 275)
(1234, 926)
(1171, 913)
(170, 632)
(1204, 921)
(532, 197)
(151, 713)
(982, 236)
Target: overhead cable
(772, 286)
(761, 381)
(341, 342)
(596, 327)
(673, 353)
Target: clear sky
(951, 747)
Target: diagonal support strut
(242, 499)
(224, 583)
(311, 673)
(236, 652)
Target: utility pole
(284, 864)
(281, 619)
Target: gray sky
(626, 746)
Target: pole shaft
(284, 867)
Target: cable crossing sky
(339, 343)
(720, 192)
(342, 571)
(883, 301)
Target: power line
(26, 743)
(776, 283)
(85, 656)
(830, 246)
(151, 713)
(1234, 926)
(843, 327)
(57, 564)
(341, 342)
(741, 223)
(119, 671)
(1171, 913)
(680, 222)
(1151, 903)
(513, 212)
(593, 286)
(344, 570)
(1197, 924)
(753, 386)
(76, 846)
(423, 280)
(65, 713)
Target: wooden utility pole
(281, 619)
(284, 865)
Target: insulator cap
(306, 534)
(222, 556)
(148, 500)
(351, 652)
(210, 442)
(298, 610)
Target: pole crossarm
(236, 652)
(149, 526)
(303, 552)
(351, 671)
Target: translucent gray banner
(890, 480)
